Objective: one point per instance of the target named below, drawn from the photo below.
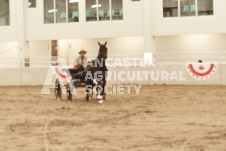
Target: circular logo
(201, 71)
(58, 74)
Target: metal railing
(181, 58)
(160, 59)
(165, 61)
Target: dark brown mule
(96, 73)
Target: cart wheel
(58, 90)
(69, 94)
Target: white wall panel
(191, 43)
(188, 25)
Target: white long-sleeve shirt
(80, 61)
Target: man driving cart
(80, 64)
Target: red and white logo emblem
(59, 73)
(201, 71)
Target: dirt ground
(160, 118)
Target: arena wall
(36, 76)
(170, 57)
(173, 41)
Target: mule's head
(103, 51)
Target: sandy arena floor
(161, 118)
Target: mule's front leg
(104, 91)
(89, 92)
(101, 92)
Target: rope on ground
(57, 118)
(197, 136)
(189, 140)
(45, 135)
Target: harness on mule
(96, 65)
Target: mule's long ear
(106, 43)
(99, 43)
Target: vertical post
(82, 8)
(149, 48)
(220, 66)
(67, 16)
(147, 28)
(196, 7)
(97, 9)
(20, 32)
(55, 10)
(178, 3)
(110, 9)
(20, 19)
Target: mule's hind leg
(87, 93)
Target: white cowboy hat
(81, 51)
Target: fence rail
(33, 70)
(159, 59)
